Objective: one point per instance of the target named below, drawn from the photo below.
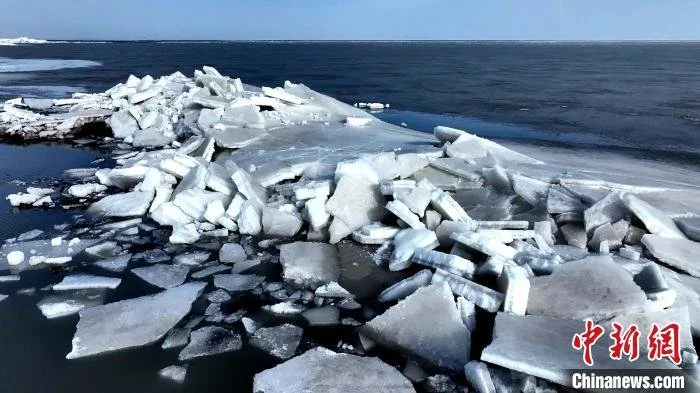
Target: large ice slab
(129, 204)
(541, 346)
(680, 253)
(425, 325)
(309, 264)
(356, 202)
(595, 287)
(322, 370)
(656, 221)
(123, 324)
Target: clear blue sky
(351, 19)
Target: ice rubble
(320, 369)
(454, 226)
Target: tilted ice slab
(680, 253)
(425, 325)
(541, 346)
(595, 287)
(133, 322)
(322, 370)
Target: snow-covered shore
(21, 41)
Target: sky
(352, 19)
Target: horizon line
(58, 40)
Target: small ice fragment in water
(174, 373)
(177, 337)
(15, 257)
(86, 281)
(62, 304)
(279, 341)
(210, 340)
(406, 287)
(114, 264)
(232, 253)
(163, 276)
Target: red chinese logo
(625, 343)
(587, 339)
(663, 342)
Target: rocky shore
(457, 263)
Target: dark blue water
(639, 96)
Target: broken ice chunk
(279, 341)
(333, 289)
(406, 287)
(450, 209)
(210, 340)
(163, 276)
(357, 202)
(135, 203)
(608, 210)
(249, 187)
(174, 373)
(315, 212)
(478, 376)
(690, 227)
(679, 253)
(309, 264)
(69, 303)
(406, 242)
(314, 189)
(322, 370)
(514, 283)
(448, 262)
(392, 187)
(441, 340)
(594, 287)
(123, 324)
(250, 219)
(280, 223)
(486, 245)
(184, 234)
(322, 316)
(375, 233)
(575, 235)
(86, 281)
(483, 297)
(15, 257)
(232, 253)
(656, 221)
(84, 190)
(176, 338)
(467, 311)
(237, 282)
(402, 211)
(531, 190)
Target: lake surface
(628, 99)
(631, 95)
